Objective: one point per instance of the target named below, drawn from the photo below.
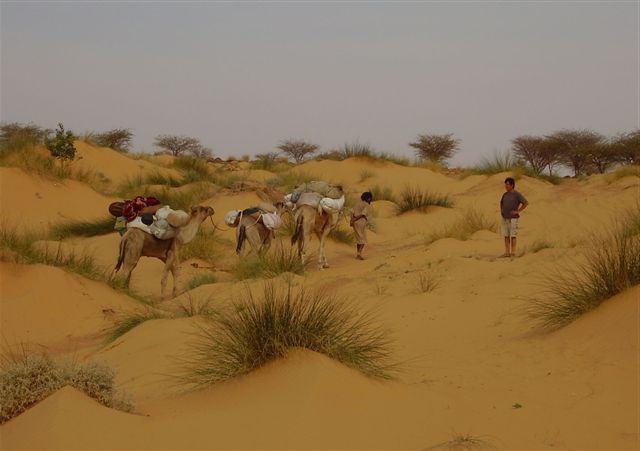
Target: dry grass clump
(464, 442)
(625, 171)
(207, 246)
(93, 227)
(413, 198)
(204, 278)
(342, 235)
(290, 179)
(270, 264)
(192, 306)
(255, 331)
(382, 193)
(470, 222)
(130, 320)
(27, 379)
(612, 265)
(366, 174)
(428, 281)
(536, 247)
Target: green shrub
(200, 279)
(253, 332)
(61, 146)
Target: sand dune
(473, 361)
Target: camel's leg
(132, 254)
(322, 259)
(168, 264)
(175, 271)
(307, 229)
(254, 239)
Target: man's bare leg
(513, 246)
(507, 247)
(359, 248)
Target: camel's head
(202, 212)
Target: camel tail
(123, 246)
(298, 230)
(242, 235)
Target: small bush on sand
(428, 281)
(497, 163)
(128, 321)
(416, 199)
(382, 193)
(204, 278)
(193, 165)
(536, 247)
(612, 265)
(26, 380)
(255, 331)
(189, 305)
(94, 227)
(207, 245)
(270, 264)
(464, 442)
(470, 222)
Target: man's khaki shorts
(509, 227)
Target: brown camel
(255, 232)
(136, 243)
(307, 221)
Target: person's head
(367, 197)
(509, 183)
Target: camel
(309, 220)
(136, 243)
(256, 233)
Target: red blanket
(133, 207)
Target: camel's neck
(188, 232)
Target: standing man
(359, 220)
(511, 205)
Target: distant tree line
(580, 151)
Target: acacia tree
(602, 156)
(436, 148)
(531, 150)
(297, 149)
(118, 139)
(626, 147)
(178, 145)
(61, 145)
(575, 147)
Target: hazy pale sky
(243, 75)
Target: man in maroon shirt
(511, 205)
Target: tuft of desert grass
(464, 442)
(208, 245)
(101, 226)
(130, 320)
(342, 235)
(257, 330)
(204, 278)
(382, 193)
(469, 222)
(27, 379)
(612, 265)
(192, 306)
(270, 264)
(413, 198)
(536, 247)
(497, 163)
(366, 174)
(428, 281)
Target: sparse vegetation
(464, 442)
(341, 235)
(382, 193)
(536, 247)
(428, 281)
(290, 179)
(204, 278)
(413, 198)
(265, 161)
(179, 145)
(625, 171)
(469, 222)
(254, 331)
(27, 379)
(436, 148)
(191, 306)
(366, 174)
(270, 264)
(495, 164)
(117, 139)
(297, 149)
(128, 321)
(61, 145)
(207, 246)
(612, 265)
(95, 227)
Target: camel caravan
(151, 229)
